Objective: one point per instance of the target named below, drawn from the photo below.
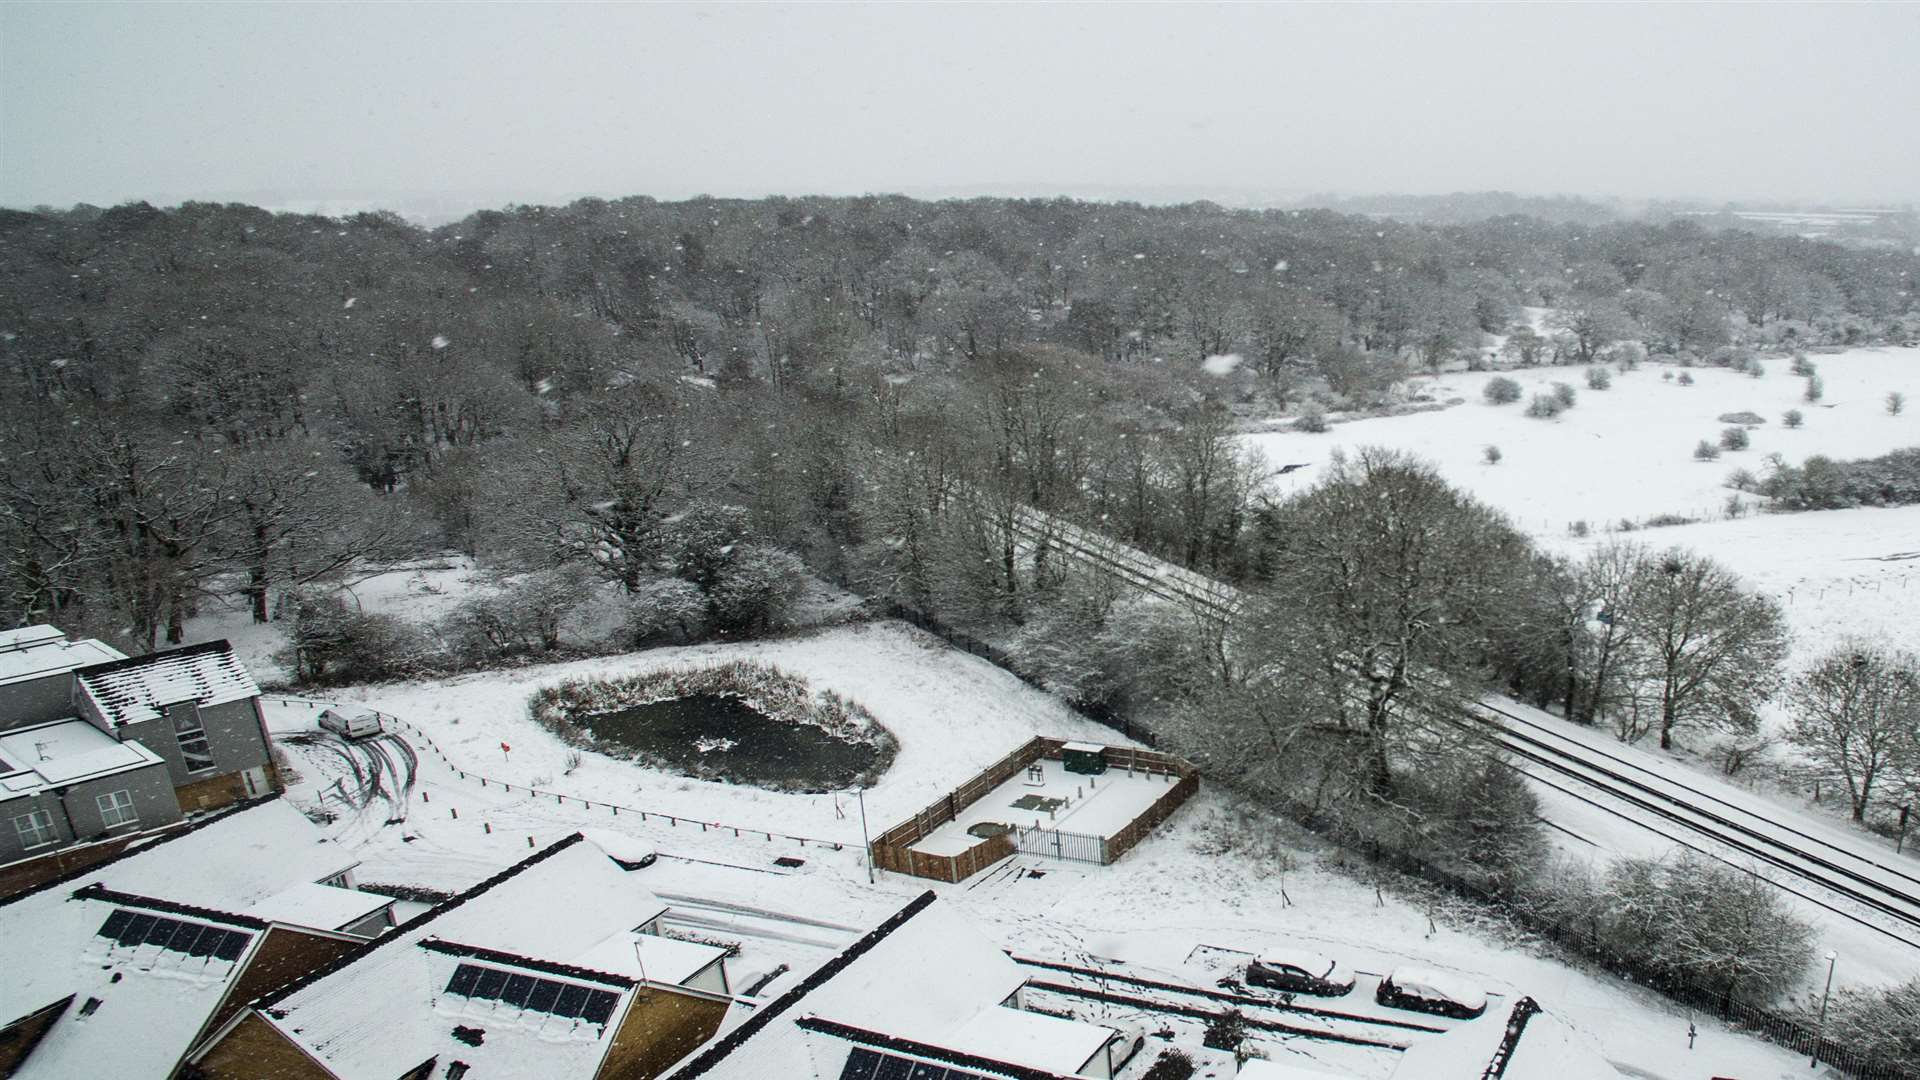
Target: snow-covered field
(1627, 452)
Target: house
(97, 748)
(36, 673)
(553, 968)
(65, 781)
(195, 706)
(924, 992)
(120, 968)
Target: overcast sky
(105, 102)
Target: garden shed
(1082, 757)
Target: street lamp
(864, 839)
(1813, 1058)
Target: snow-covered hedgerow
(778, 695)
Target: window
(864, 1064)
(192, 736)
(35, 829)
(116, 808)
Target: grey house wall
(36, 701)
(153, 800)
(233, 735)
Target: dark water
(766, 753)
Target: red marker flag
(505, 749)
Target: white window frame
(35, 823)
(197, 732)
(116, 808)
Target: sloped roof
(549, 909)
(139, 689)
(33, 652)
(148, 1017)
(925, 982)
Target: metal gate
(1056, 844)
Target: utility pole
(1813, 1058)
(864, 839)
(1905, 812)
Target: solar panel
(566, 1000)
(464, 977)
(231, 946)
(135, 931)
(865, 1064)
(116, 922)
(543, 995)
(137, 928)
(572, 1000)
(860, 1064)
(600, 1005)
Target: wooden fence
(893, 849)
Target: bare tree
(1713, 650)
(1856, 712)
(1398, 578)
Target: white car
(350, 722)
(1428, 991)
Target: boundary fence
(561, 798)
(1775, 1027)
(893, 849)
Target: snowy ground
(954, 714)
(1627, 452)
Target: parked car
(1428, 991)
(1298, 971)
(350, 723)
(627, 852)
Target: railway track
(1618, 784)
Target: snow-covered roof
(1083, 747)
(148, 1002)
(1023, 1038)
(137, 689)
(538, 917)
(649, 956)
(63, 752)
(32, 652)
(230, 863)
(1281, 955)
(925, 978)
(322, 907)
(152, 999)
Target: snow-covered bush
(1563, 393)
(518, 617)
(331, 641)
(1599, 378)
(1896, 401)
(1706, 451)
(1312, 419)
(1734, 438)
(1882, 1022)
(1545, 407)
(1793, 418)
(755, 590)
(1685, 379)
(1816, 389)
(1501, 390)
(666, 610)
(1802, 367)
(1490, 454)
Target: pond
(720, 737)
